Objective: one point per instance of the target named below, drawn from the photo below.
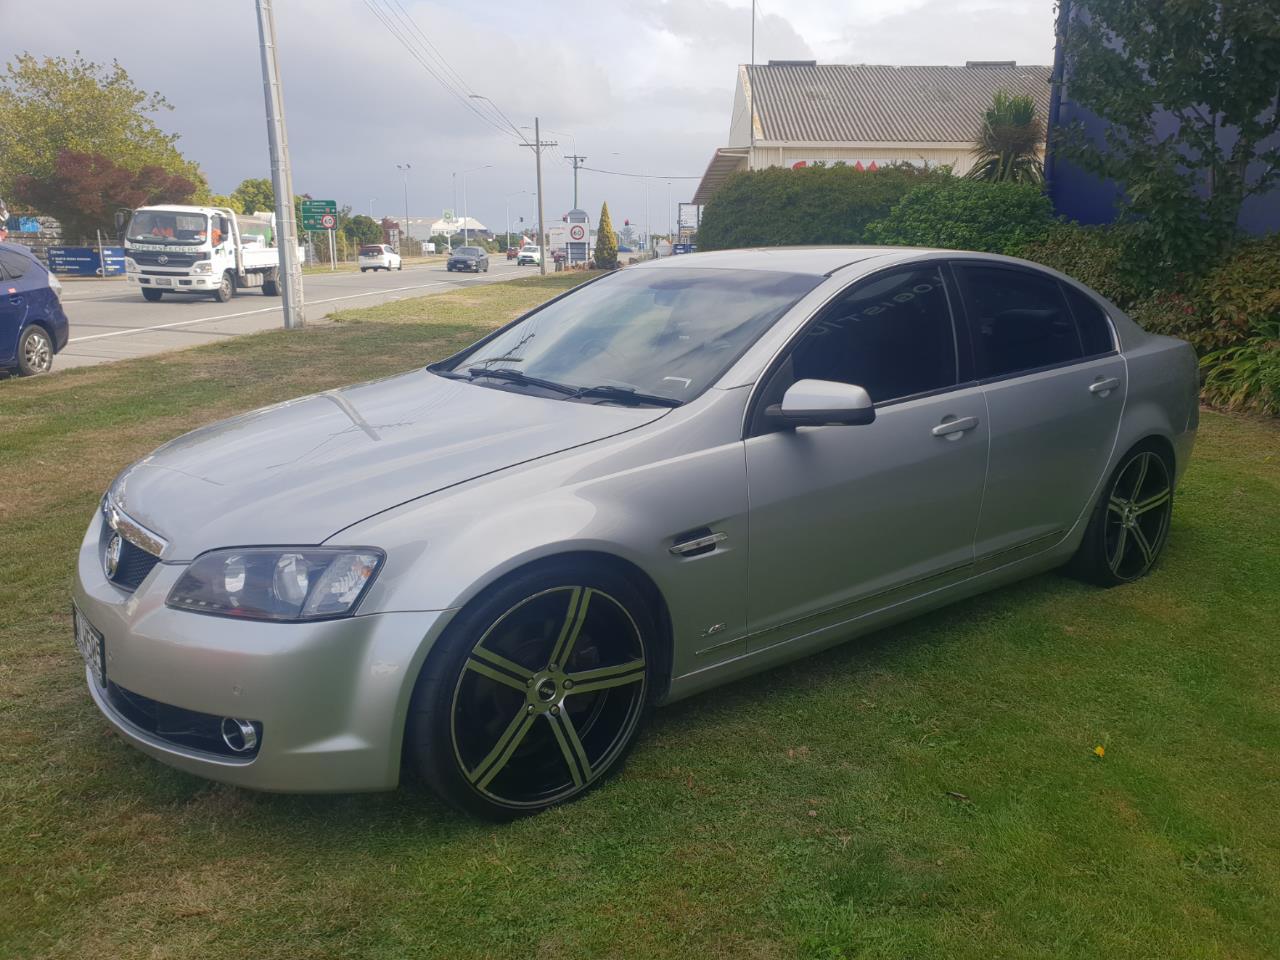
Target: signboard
(84, 262)
(315, 213)
(578, 232)
(677, 248)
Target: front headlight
(277, 583)
(203, 266)
(130, 265)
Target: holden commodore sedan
(490, 569)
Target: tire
(151, 295)
(400, 265)
(271, 284)
(35, 352)
(226, 289)
(497, 728)
(1130, 523)
(363, 269)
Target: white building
(794, 113)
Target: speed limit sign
(328, 221)
(577, 232)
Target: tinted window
(15, 265)
(891, 335)
(1020, 320)
(1095, 329)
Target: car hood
(300, 471)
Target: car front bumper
(330, 697)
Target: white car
(529, 255)
(379, 256)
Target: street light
(404, 169)
(371, 199)
(466, 236)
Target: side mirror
(818, 403)
(122, 220)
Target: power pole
(537, 145)
(281, 173)
(577, 162)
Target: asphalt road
(110, 321)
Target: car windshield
(468, 251)
(158, 226)
(667, 332)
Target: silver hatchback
(665, 479)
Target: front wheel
(535, 692)
(225, 289)
(152, 295)
(1130, 523)
(35, 352)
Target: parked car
(660, 481)
(529, 255)
(473, 259)
(379, 256)
(33, 325)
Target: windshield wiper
(625, 395)
(515, 376)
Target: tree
(84, 190)
(58, 104)
(606, 242)
(1188, 91)
(1009, 142)
(361, 230)
(253, 195)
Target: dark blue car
(33, 326)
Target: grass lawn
(931, 791)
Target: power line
(638, 176)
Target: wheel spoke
(1143, 461)
(1118, 556)
(1116, 505)
(575, 756)
(1151, 502)
(579, 598)
(492, 764)
(482, 668)
(502, 663)
(587, 681)
(1140, 539)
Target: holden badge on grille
(111, 558)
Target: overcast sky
(642, 86)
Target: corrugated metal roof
(884, 104)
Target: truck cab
(200, 250)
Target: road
(110, 321)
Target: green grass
(930, 791)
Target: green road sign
(319, 214)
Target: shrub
(1096, 256)
(967, 215)
(779, 206)
(1246, 376)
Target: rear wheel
(536, 691)
(225, 289)
(151, 295)
(271, 284)
(1130, 523)
(35, 352)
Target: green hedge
(1097, 256)
(967, 215)
(778, 206)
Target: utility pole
(577, 162)
(281, 174)
(537, 145)
(404, 169)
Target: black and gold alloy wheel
(544, 702)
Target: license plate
(164, 282)
(91, 645)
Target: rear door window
(1095, 328)
(1019, 320)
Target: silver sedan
(670, 477)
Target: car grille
(185, 728)
(151, 258)
(135, 563)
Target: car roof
(816, 261)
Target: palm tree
(1008, 145)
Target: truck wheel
(364, 269)
(226, 289)
(271, 284)
(152, 296)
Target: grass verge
(931, 791)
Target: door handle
(16, 301)
(952, 429)
(1104, 385)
